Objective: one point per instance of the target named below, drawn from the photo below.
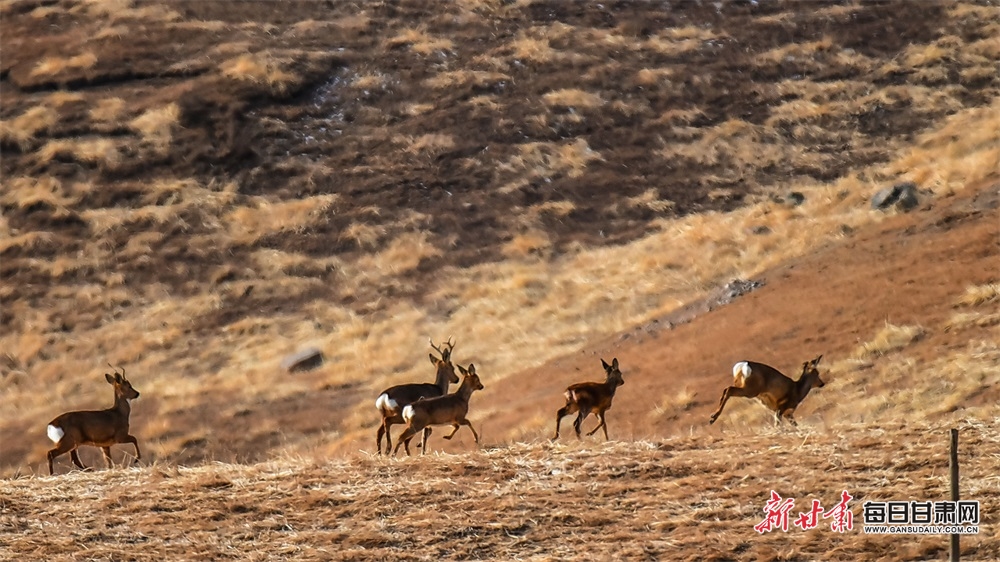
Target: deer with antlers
(97, 428)
(591, 397)
(443, 410)
(779, 393)
(391, 401)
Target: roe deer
(443, 410)
(97, 428)
(591, 397)
(391, 401)
(776, 391)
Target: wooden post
(955, 554)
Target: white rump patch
(741, 370)
(408, 413)
(55, 433)
(384, 403)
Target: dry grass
(526, 501)
(888, 339)
(419, 41)
(108, 111)
(54, 66)
(22, 129)
(547, 159)
(979, 295)
(263, 218)
(99, 151)
(261, 68)
(573, 97)
(156, 125)
(465, 78)
(539, 305)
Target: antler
(115, 369)
(445, 354)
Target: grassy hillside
(625, 500)
(195, 190)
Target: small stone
(305, 360)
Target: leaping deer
(591, 397)
(391, 401)
(779, 393)
(97, 428)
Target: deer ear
(816, 360)
(605, 364)
(472, 368)
(110, 380)
(434, 361)
(614, 363)
(462, 370)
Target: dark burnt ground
(669, 77)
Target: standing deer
(391, 401)
(776, 391)
(591, 397)
(443, 410)
(97, 428)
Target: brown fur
(97, 428)
(591, 397)
(405, 394)
(779, 393)
(443, 410)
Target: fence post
(955, 554)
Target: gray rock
(304, 360)
(902, 196)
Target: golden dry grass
(888, 339)
(263, 218)
(23, 128)
(419, 41)
(98, 151)
(538, 305)
(155, 125)
(53, 66)
(979, 295)
(260, 68)
(688, 498)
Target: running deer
(443, 410)
(591, 397)
(776, 391)
(391, 401)
(97, 428)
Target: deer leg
(76, 459)
(107, 457)
(578, 424)
(135, 443)
(454, 430)
(602, 425)
(378, 439)
(404, 440)
(474, 434)
(563, 412)
(387, 425)
(423, 442)
(726, 394)
(59, 449)
(787, 414)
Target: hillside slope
(910, 270)
(684, 498)
(193, 191)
